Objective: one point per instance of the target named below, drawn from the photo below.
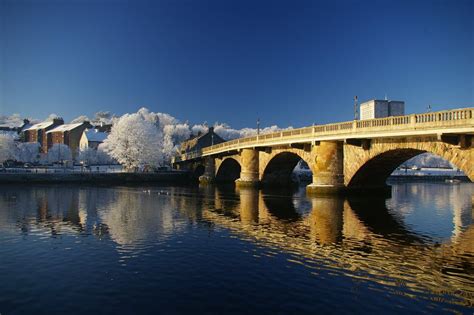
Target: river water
(169, 250)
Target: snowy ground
(427, 171)
(75, 169)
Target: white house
(91, 138)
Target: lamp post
(355, 107)
(258, 126)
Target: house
(200, 141)
(103, 127)
(17, 129)
(37, 132)
(68, 134)
(92, 138)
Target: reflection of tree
(359, 237)
(135, 216)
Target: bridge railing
(187, 156)
(394, 123)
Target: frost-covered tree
(14, 120)
(102, 157)
(80, 119)
(173, 135)
(199, 129)
(90, 156)
(428, 160)
(59, 152)
(52, 116)
(104, 117)
(227, 133)
(28, 152)
(8, 149)
(135, 140)
(87, 156)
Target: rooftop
(41, 125)
(94, 135)
(65, 127)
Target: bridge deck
(459, 121)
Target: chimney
(26, 121)
(58, 121)
(211, 130)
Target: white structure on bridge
(381, 109)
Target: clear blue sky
(287, 62)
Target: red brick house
(68, 134)
(38, 132)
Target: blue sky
(287, 62)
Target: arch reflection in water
(366, 238)
(419, 242)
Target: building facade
(201, 141)
(68, 134)
(381, 108)
(92, 138)
(38, 132)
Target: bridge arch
(277, 167)
(228, 170)
(372, 167)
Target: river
(70, 249)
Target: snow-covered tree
(199, 129)
(87, 156)
(135, 140)
(28, 152)
(11, 121)
(59, 152)
(173, 135)
(80, 119)
(428, 160)
(227, 133)
(102, 157)
(104, 117)
(8, 150)
(52, 116)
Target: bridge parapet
(422, 124)
(391, 126)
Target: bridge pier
(249, 176)
(209, 171)
(328, 177)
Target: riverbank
(428, 178)
(177, 177)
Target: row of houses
(55, 131)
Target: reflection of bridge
(344, 155)
(342, 236)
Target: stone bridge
(354, 155)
